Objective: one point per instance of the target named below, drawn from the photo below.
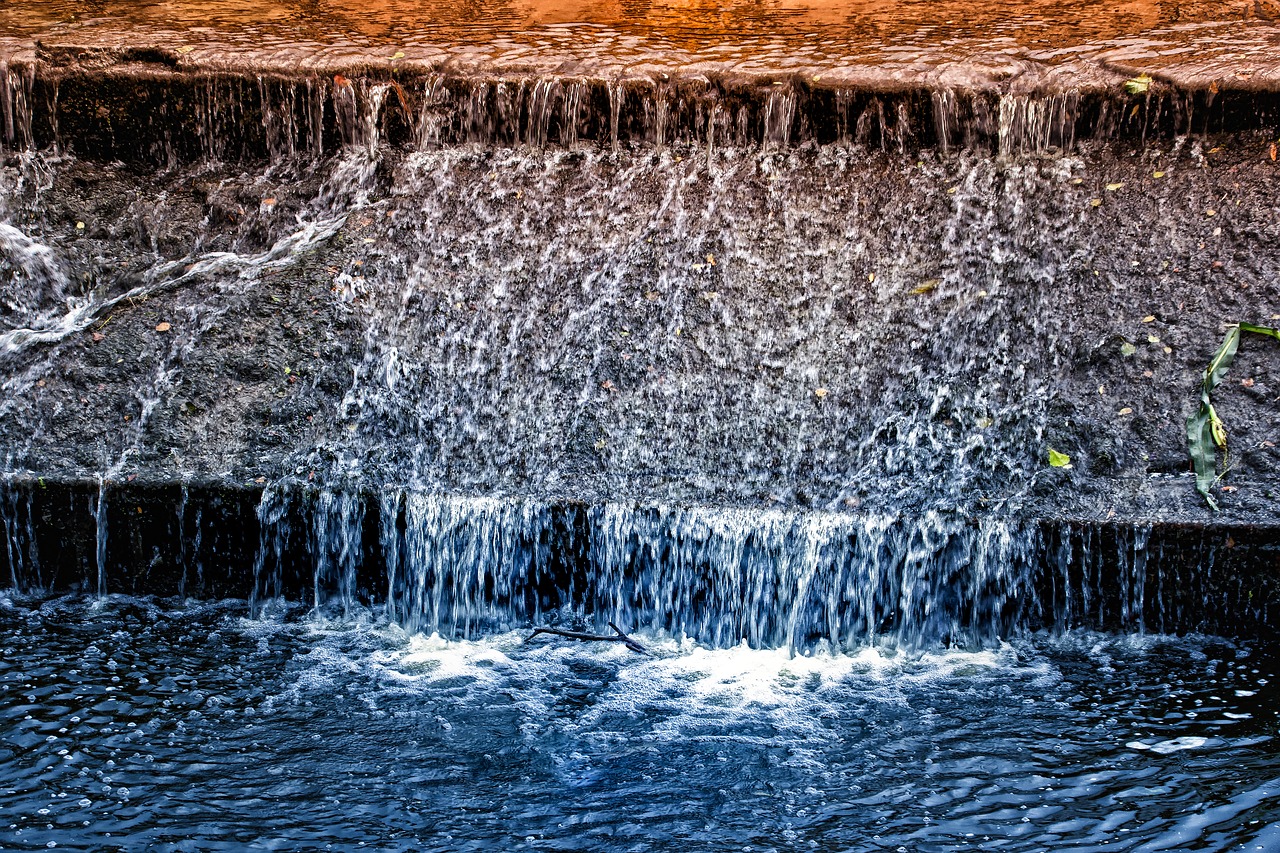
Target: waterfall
(763, 358)
(464, 566)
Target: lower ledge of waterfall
(465, 567)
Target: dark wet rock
(256, 376)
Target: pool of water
(168, 725)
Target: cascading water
(755, 349)
(832, 357)
(471, 566)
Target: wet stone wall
(729, 358)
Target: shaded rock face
(818, 327)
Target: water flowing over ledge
(468, 567)
(798, 398)
(773, 352)
(142, 109)
(842, 353)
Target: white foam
(681, 689)
(433, 658)
(1168, 747)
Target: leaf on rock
(1138, 85)
(1058, 460)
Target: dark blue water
(133, 724)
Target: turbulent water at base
(133, 724)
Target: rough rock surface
(549, 322)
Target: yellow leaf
(1157, 174)
(163, 327)
(1218, 431)
(1138, 85)
(1058, 460)
(1126, 411)
(820, 392)
(1113, 187)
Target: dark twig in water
(588, 638)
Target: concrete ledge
(143, 106)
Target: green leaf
(1206, 433)
(1127, 349)
(1260, 330)
(1221, 361)
(1058, 460)
(1204, 453)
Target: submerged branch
(588, 638)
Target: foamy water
(189, 726)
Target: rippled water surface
(132, 724)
